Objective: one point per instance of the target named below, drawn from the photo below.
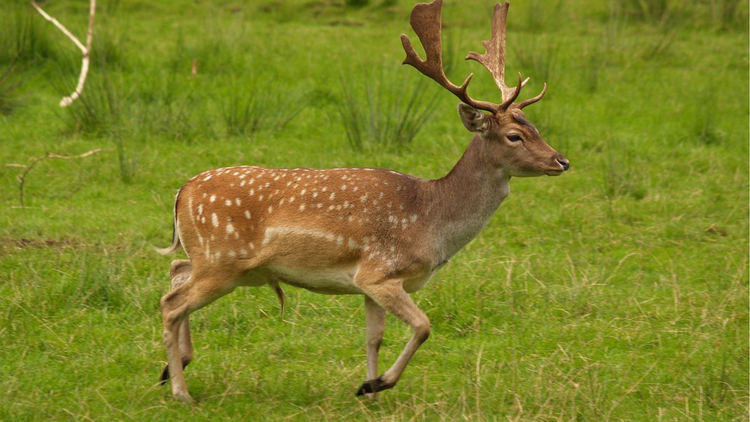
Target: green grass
(618, 291)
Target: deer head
(511, 139)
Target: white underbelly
(319, 280)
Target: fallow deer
(372, 232)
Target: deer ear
(473, 119)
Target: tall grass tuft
(620, 176)
(651, 11)
(252, 107)
(11, 80)
(99, 108)
(705, 121)
(726, 13)
(536, 59)
(23, 37)
(385, 110)
(126, 162)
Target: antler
(426, 22)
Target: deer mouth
(563, 166)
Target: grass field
(618, 291)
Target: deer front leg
(374, 327)
(391, 296)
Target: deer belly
(334, 281)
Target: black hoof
(164, 375)
(373, 386)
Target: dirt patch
(24, 243)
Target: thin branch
(35, 160)
(85, 50)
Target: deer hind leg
(179, 273)
(375, 325)
(198, 291)
(391, 296)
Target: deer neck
(467, 197)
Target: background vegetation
(616, 292)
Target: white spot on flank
(270, 209)
(230, 228)
(200, 209)
(247, 214)
(232, 254)
(333, 195)
(213, 198)
(228, 202)
(237, 201)
(214, 219)
(243, 252)
(302, 207)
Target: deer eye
(514, 137)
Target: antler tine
(494, 58)
(426, 21)
(524, 103)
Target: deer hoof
(165, 372)
(184, 398)
(373, 386)
(164, 375)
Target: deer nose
(563, 162)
